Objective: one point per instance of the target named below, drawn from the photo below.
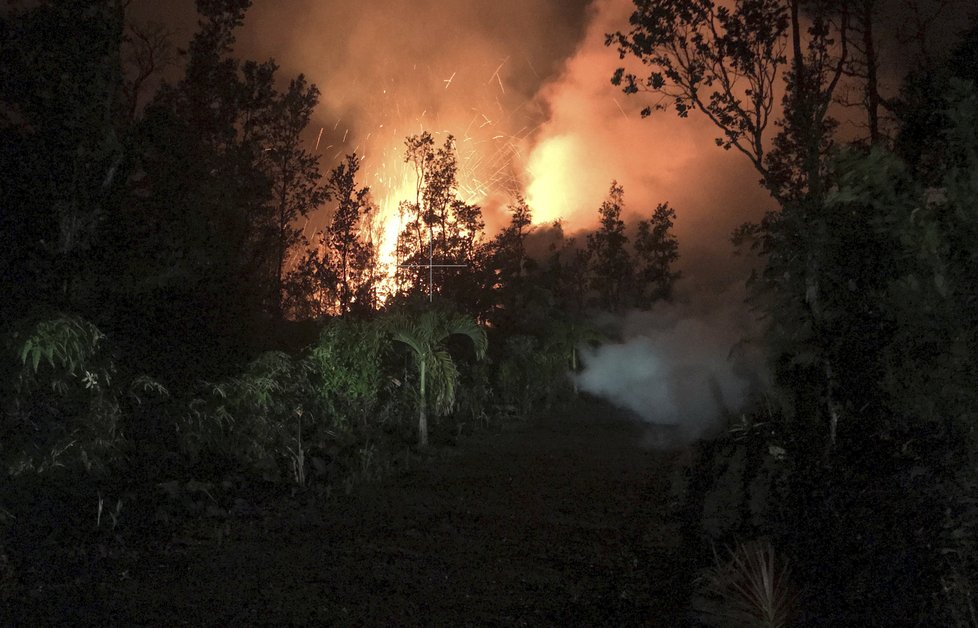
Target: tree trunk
(798, 60)
(872, 81)
(280, 254)
(423, 412)
(345, 287)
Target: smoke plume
(466, 68)
(683, 366)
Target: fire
(492, 126)
(486, 168)
(563, 179)
(390, 184)
(549, 193)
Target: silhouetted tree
(437, 221)
(656, 250)
(196, 220)
(610, 267)
(857, 249)
(572, 267)
(294, 175)
(725, 63)
(147, 52)
(62, 149)
(863, 65)
(711, 59)
(922, 105)
(352, 257)
(310, 290)
(509, 269)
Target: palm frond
(464, 326)
(443, 379)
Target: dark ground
(562, 521)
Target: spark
(530, 63)
(495, 75)
(490, 162)
(617, 104)
(319, 138)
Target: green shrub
(346, 371)
(531, 374)
(255, 421)
(62, 402)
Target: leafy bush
(255, 420)
(284, 414)
(346, 371)
(62, 402)
(531, 373)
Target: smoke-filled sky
(523, 85)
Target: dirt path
(562, 521)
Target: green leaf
(28, 345)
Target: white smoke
(683, 366)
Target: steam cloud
(682, 365)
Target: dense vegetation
(859, 467)
(159, 355)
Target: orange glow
(488, 170)
(547, 194)
(390, 182)
(523, 85)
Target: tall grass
(750, 587)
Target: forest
(172, 344)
